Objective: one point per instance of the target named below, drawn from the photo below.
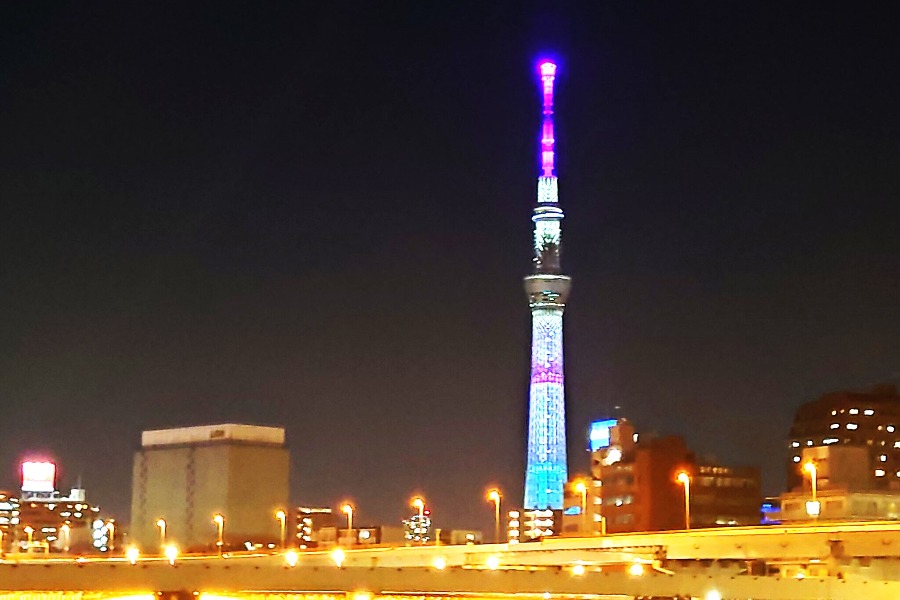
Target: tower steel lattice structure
(547, 289)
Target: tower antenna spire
(547, 289)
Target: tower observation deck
(547, 289)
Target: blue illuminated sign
(599, 434)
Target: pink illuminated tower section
(547, 288)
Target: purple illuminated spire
(548, 289)
(548, 74)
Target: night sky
(318, 216)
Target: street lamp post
(347, 509)
(65, 529)
(29, 531)
(282, 518)
(494, 496)
(219, 520)
(581, 488)
(419, 504)
(111, 530)
(161, 523)
(813, 507)
(685, 480)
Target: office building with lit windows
(635, 485)
(867, 420)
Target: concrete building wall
(186, 485)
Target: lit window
(828, 441)
(854, 411)
(852, 426)
(868, 412)
(883, 458)
(834, 412)
(809, 442)
(879, 472)
(795, 444)
(835, 425)
(896, 444)
(890, 428)
(796, 459)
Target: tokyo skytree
(547, 289)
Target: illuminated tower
(547, 289)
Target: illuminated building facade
(43, 520)
(9, 519)
(311, 520)
(866, 420)
(547, 289)
(635, 486)
(418, 527)
(185, 476)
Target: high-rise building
(868, 420)
(547, 289)
(183, 477)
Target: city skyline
(317, 218)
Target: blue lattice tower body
(546, 470)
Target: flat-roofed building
(866, 420)
(635, 485)
(183, 477)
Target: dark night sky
(319, 217)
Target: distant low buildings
(635, 485)
(40, 519)
(183, 477)
(844, 458)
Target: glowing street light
(347, 509)
(494, 496)
(171, 553)
(282, 518)
(813, 507)
(219, 520)
(111, 532)
(66, 531)
(161, 523)
(29, 530)
(338, 557)
(581, 488)
(684, 479)
(291, 557)
(419, 504)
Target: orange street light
(813, 507)
(684, 479)
(282, 519)
(30, 531)
(347, 509)
(419, 504)
(66, 530)
(161, 523)
(581, 488)
(219, 520)
(111, 530)
(494, 496)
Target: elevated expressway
(841, 561)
